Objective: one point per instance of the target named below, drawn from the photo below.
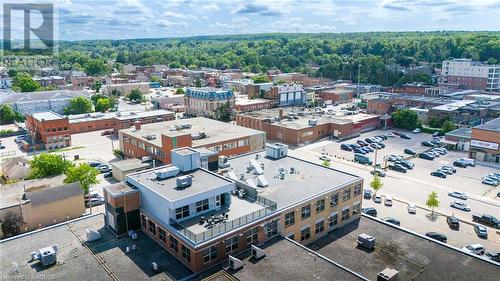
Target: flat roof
(415, 257)
(76, 262)
(129, 164)
(215, 131)
(47, 116)
(245, 101)
(122, 115)
(309, 180)
(460, 132)
(202, 181)
(286, 260)
(120, 188)
(453, 106)
(493, 125)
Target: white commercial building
(471, 74)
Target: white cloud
(212, 7)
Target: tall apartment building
(204, 102)
(157, 140)
(201, 217)
(471, 74)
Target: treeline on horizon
(329, 55)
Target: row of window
(305, 212)
(183, 212)
(231, 145)
(56, 129)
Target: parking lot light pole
(375, 162)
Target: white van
(469, 161)
(388, 201)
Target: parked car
(392, 220)
(458, 194)
(2, 146)
(345, 147)
(361, 143)
(481, 231)
(426, 156)
(437, 236)
(388, 201)
(460, 205)
(494, 256)
(378, 172)
(396, 133)
(477, 249)
(94, 164)
(412, 208)
(369, 140)
(409, 151)
(369, 211)
(446, 171)
(354, 145)
(381, 144)
(377, 198)
(398, 168)
(469, 161)
(95, 201)
(359, 150)
(375, 145)
(367, 194)
(392, 158)
(486, 219)
(108, 174)
(325, 157)
(489, 181)
(453, 222)
(362, 159)
(407, 164)
(435, 134)
(427, 144)
(404, 136)
(449, 168)
(459, 163)
(390, 135)
(436, 142)
(439, 174)
(368, 149)
(416, 131)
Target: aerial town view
(221, 140)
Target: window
(320, 205)
(345, 214)
(144, 223)
(202, 205)
(174, 244)
(355, 209)
(243, 143)
(290, 218)
(346, 194)
(305, 233)
(152, 227)
(186, 253)
(182, 212)
(162, 234)
(357, 190)
(333, 220)
(210, 254)
(334, 201)
(306, 212)
(231, 244)
(271, 228)
(320, 226)
(252, 236)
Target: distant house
(16, 168)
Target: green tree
(376, 184)
(11, 224)
(118, 153)
(103, 105)
(432, 201)
(415, 77)
(224, 112)
(155, 79)
(9, 115)
(115, 93)
(79, 105)
(326, 163)
(405, 119)
(95, 67)
(12, 73)
(84, 174)
(198, 83)
(447, 126)
(23, 82)
(48, 164)
(260, 79)
(97, 86)
(179, 91)
(136, 95)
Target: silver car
(460, 205)
(458, 194)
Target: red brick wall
(485, 135)
(474, 83)
(44, 129)
(376, 106)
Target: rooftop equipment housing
(186, 159)
(366, 241)
(167, 172)
(184, 181)
(276, 150)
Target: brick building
(246, 105)
(336, 96)
(205, 102)
(471, 74)
(292, 127)
(157, 140)
(485, 141)
(48, 129)
(205, 217)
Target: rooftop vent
(184, 181)
(223, 162)
(387, 274)
(366, 241)
(256, 167)
(47, 256)
(262, 181)
(257, 253)
(167, 172)
(150, 137)
(235, 263)
(313, 122)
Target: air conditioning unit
(167, 172)
(92, 235)
(184, 181)
(366, 241)
(257, 253)
(388, 274)
(234, 263)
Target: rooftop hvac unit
(151, 136)
(47, 256)
(313, 122)
(184, 181)
(167, 172)
(235, 263)
(366, 241)
(388, 274)
(256, 166)
(257, 253)
(223, 162)
(276, 150)
(262, 181)
(92, 235)
(250, 182)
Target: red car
(396, 133)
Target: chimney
(137, 125)
(281, 114)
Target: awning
(445, 141)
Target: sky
(127, 19)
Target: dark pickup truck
(486, 219)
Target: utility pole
(359, 75)
(375, 162)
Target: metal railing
(224, 227)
